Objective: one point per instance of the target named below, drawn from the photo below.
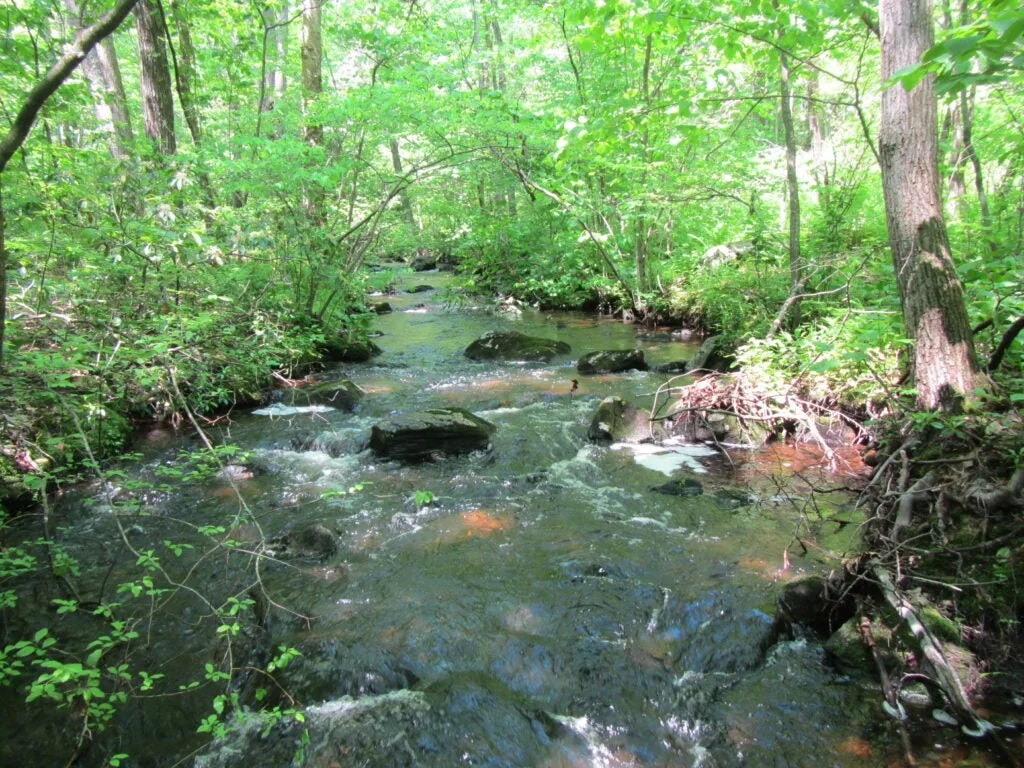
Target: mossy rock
(849, 654)
(512, 345)
(424, 435)
(943, 628)
(808, 605)
(615, 420)
(345, 350)
(612, 361)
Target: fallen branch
(931, 648)
(891, 699)
(1004, 343)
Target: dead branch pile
(703, 408)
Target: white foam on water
(666, 459)
(277, 409)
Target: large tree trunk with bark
(157, 102)
(312, 68)
(934, 315)
(103, 74)
(185, 71)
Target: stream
(535, 605)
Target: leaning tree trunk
(157, 102)
(934, 315)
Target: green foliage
(734, 299)
(987, 51)
(95, 666)
(422, 498)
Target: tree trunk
(312, 68)
(404, 201)
(3, 271)
(943, 364)
(967, 139)
(791, 307)
(111, 105)
(185, 73)
(817, 125)
(274, 82)
(117, 98)
(157, 103)
(952, 132)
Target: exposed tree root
(946, 517)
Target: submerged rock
(715, 634)
(686, 486)
(424, 288)
(733, 498)
(612, 361)
(311, 542)
(426, 434)
(618, 421)
(381, 307)
(512, 345)
(678, 366)
(467, 719)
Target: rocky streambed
(550, 589)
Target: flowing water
(545, 608)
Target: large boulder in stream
(423, 261)
(617, 421)
(612, 361)
(512, 345)
(423, 435)
(710, 357)
(814, 605)
(341, 348)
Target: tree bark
(796, 267)
(185, 73)
(312, 68)
(110, 103)
(157, 102)
(943, 364)
(404, 201)
(74, 53)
